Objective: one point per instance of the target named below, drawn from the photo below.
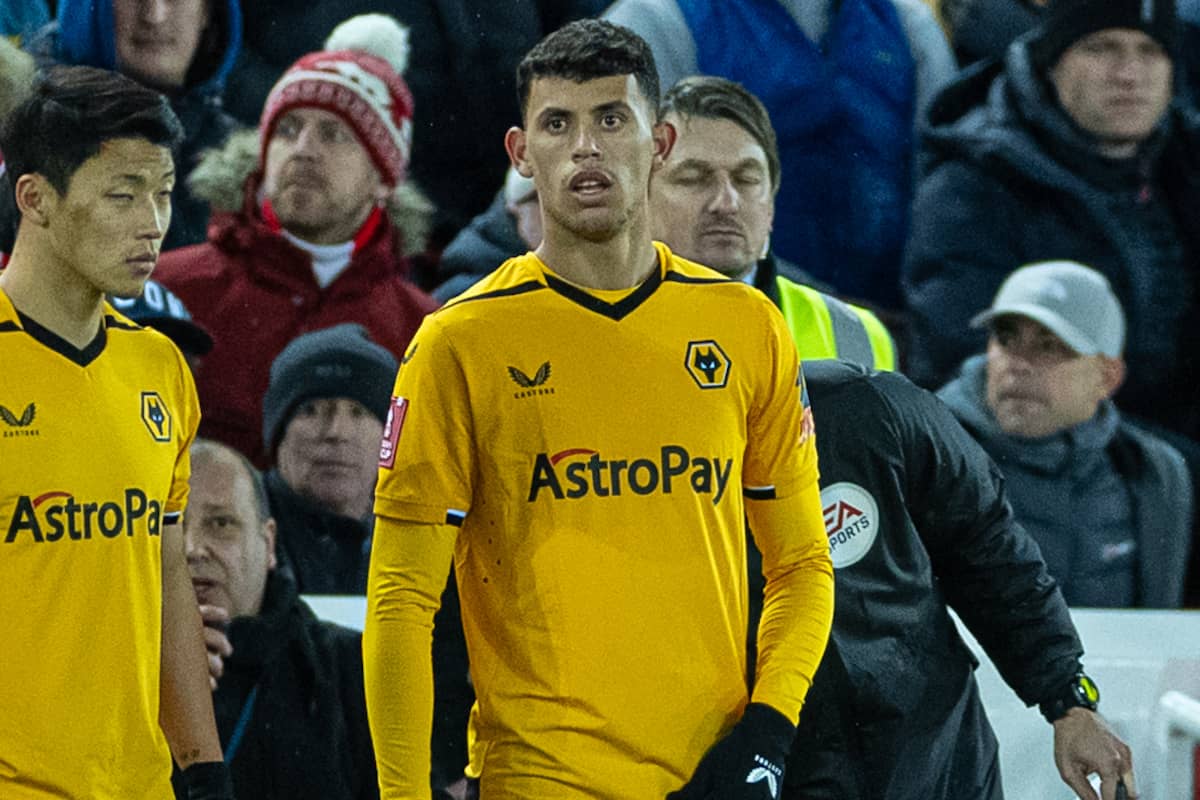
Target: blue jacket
(83, 34)
(843, 114)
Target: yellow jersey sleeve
(781, 454)
(789, 529)
(797, 600)
(427, 456)
(188, 408)
(409, 565)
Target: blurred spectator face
(1116, 84)
(230, 547)
(712, 202)
(527, 213)
(1037, 385)
(157, 39)
(329, 452)
(319, 178)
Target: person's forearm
(797, 601)
(409, 564)
(185, 700)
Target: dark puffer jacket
(1109, 505)
(1010, 180)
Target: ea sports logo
(851, 522)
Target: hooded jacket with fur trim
(255, 291)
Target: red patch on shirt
(391, 431)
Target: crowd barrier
(1147, 664)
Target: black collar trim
(616, 311)
(520, 288)
(678, 277)
(61, 346)
(8, 326)
(112, 322)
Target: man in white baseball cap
(1109, 504)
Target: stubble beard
(592, 226)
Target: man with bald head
(288, 690)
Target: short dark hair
(585, 50)
(709, 97)
(71, 111)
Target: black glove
(209, 780)
(748, 763)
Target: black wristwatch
(1081, 692)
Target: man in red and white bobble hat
(326, 216)
(363, 89)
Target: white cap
(1076, 303)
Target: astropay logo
(582, 472)
(55, 516)
(851, 522)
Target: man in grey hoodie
(1109, 504)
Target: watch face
(1086, 691)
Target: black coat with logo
(918, 523)
(305, 735)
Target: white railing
(1147, 664)
(1176, 735)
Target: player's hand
(209, 780)
(748, 763)
(217, 644)
(1083, 744)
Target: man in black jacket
(288, 694)
(1078, 146)
(918, 523)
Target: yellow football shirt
(93, 462)
(595, 448)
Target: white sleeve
(662, 25)
(935, 64)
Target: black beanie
(341, 361)
(1068, 21)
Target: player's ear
(514, 144)
(35, 198)
(664, 134)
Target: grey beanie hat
(341, 361)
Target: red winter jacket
(255, 292)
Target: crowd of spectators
(1008, 185)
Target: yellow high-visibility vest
(825, 327)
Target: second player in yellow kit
(103, 677)
(93, 464)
